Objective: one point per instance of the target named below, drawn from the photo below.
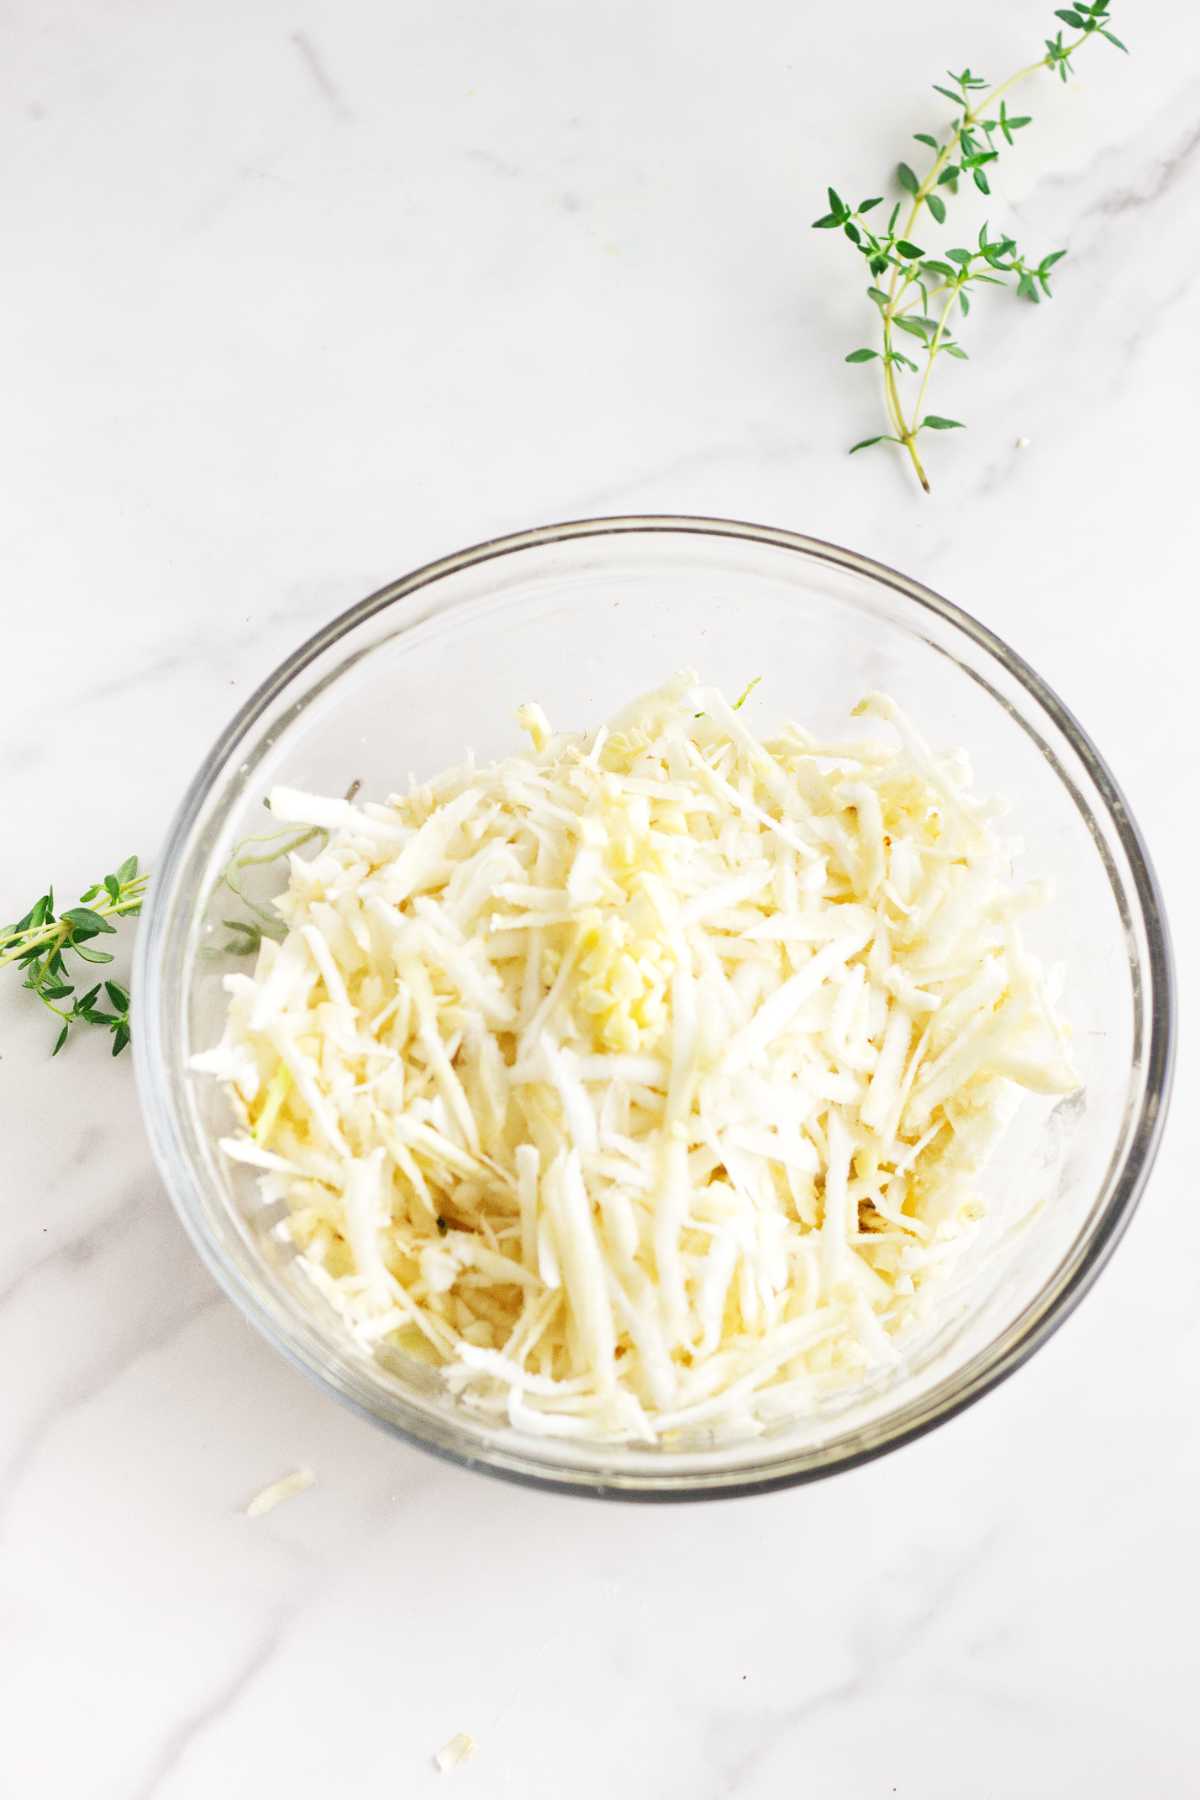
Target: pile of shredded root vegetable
(642, 1082)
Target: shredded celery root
(643, 1082)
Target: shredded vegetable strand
(644, 1081)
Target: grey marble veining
(299, 297)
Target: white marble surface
(297, 296)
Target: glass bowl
(581, 617)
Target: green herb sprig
(923, 292)
(254, 852)
(43, 942)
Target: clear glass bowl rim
(988, 1367)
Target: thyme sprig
(42, 942)
(251, 853)
(45, 943)
(923, 293)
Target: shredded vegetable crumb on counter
(643, 1082)
(286, 1488)
(460, 1749)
